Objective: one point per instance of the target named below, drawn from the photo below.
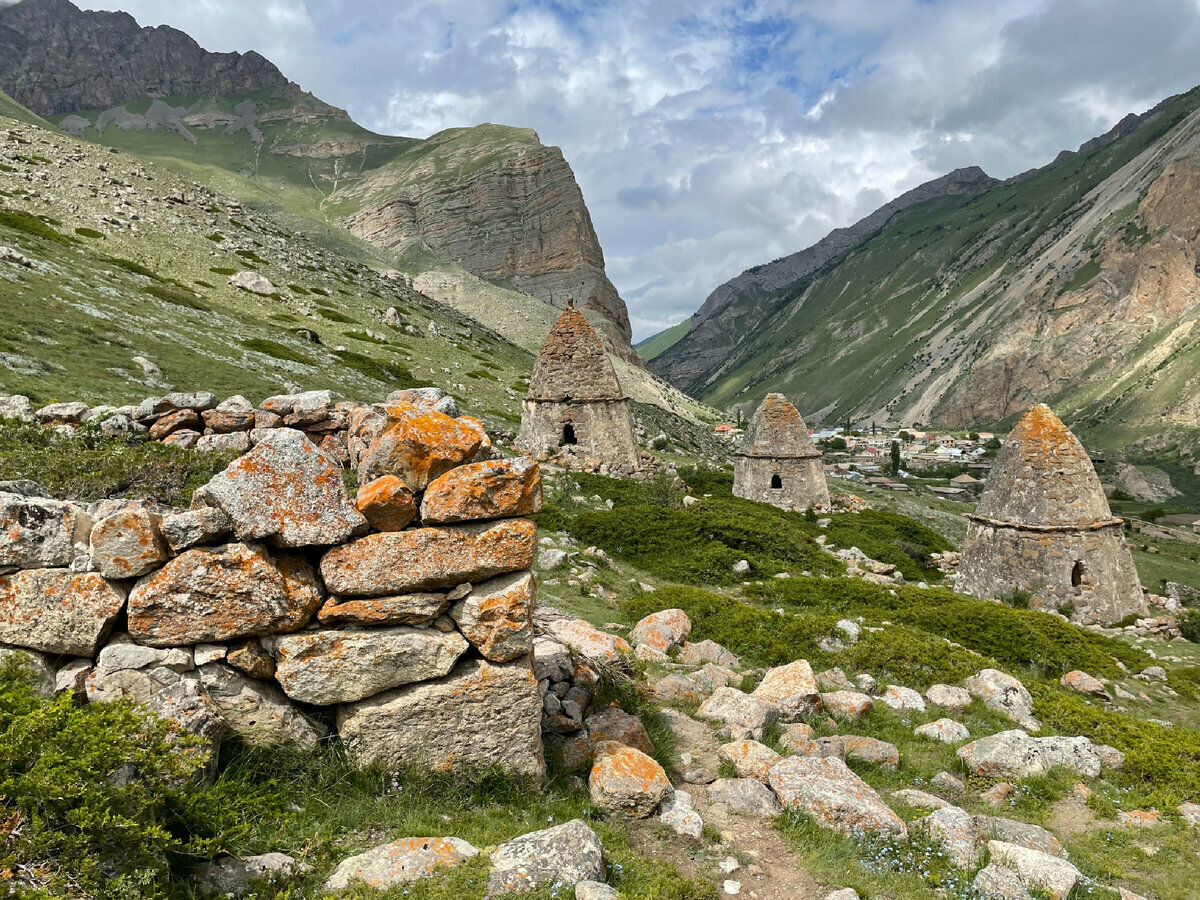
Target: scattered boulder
(750, 758)
(1084, 683)
(400, 862)
(565, 854)
(626, 780)
(481, 714)
(328, 667)
(1023, 834)
(742, 716)
(1139, 818)
(677, 813)
(871, 750)
(1008, 754)
(1056, 877)
(904, 698)
(220, 593)
(920, 799)
(946, 696)
(791, 689)
(286, 490)
(252, 282)
(957, 833)
(429, 558)
(848, 705)
(745, 796)
(947, 731)
(662, 630)
(998, 883)
(233, 876)
(58, 611)
(594, 890)
(834, 797)
(587, 640)
(1004, 694)
(707, 651)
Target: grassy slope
(668, 337)
(14, 110)
(861, 323)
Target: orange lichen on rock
(429, 558)
(626, 780)
(400, 609)
(494, 489)
(387, 502)
(419, 444)
(497, 616)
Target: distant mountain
(968, 300)
(491, 200)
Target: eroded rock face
(480, 714)
(399, 862)
(495, 489)
(429, 558)
(38, 532)
(497, 616)
(565, 854)
(328, 667)
(212, 594)
(288, 491)
(834, 797)
(57, 610)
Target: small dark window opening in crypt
(1077, 573)
(568, 435)
(776, 482)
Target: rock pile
(279, 608)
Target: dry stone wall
(281, 608)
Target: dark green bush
(174, 295)
(20, 220)
(90, 233)
(96, 799)
(130, 266)
(93, 467)
(222, 270)
(334, 315)
(276, 349)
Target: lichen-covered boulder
(1055, 877)
(707, 651)
(1085, 684)
(399, 862)
(57, 610)
(742, 716)
(481, 714)
(1008, 754)
(328, 667)
(947, 731)
(387, 502)
(285, 490)
(250, 657)
(257, 710)
(1006, 695)
(745, 796)
(401, 609)
(205, 525)
(791, 689)
(38, 532)
(127, 543)
(947, 696)
(587, 640)
(418, 445)
(231, 415)
(662, 630)
(904, 698)
(848, 705)
(834, 797)
(626, 780)
(497, 616)
(429, 558)
(495, 489)
(219, 593)
(233, 876)
(871, 750)
(957, 833)
(750, 758)
(565, 854)
(678, 814)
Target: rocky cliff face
(749, 297)
(503, 206)
(56, 58)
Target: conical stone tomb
(779, 463)
(1043, 526)
(575, 405)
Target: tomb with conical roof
(575, 403)
(1043, 527)
(779, 463)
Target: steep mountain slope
(1074, 284)
(657, 344)
(491, 200)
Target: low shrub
(394, 374)
(91, 233)
(130, 266)
(19, 220)
(94, 467)
(334, 315)
(174, 295)
(276, 350)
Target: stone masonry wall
(278, 607)
(802, 479)
(603, 431)
(998, 560)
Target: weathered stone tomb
(779, 463)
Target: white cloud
(711, 135)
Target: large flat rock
(481, 714)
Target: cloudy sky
(708, 135)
